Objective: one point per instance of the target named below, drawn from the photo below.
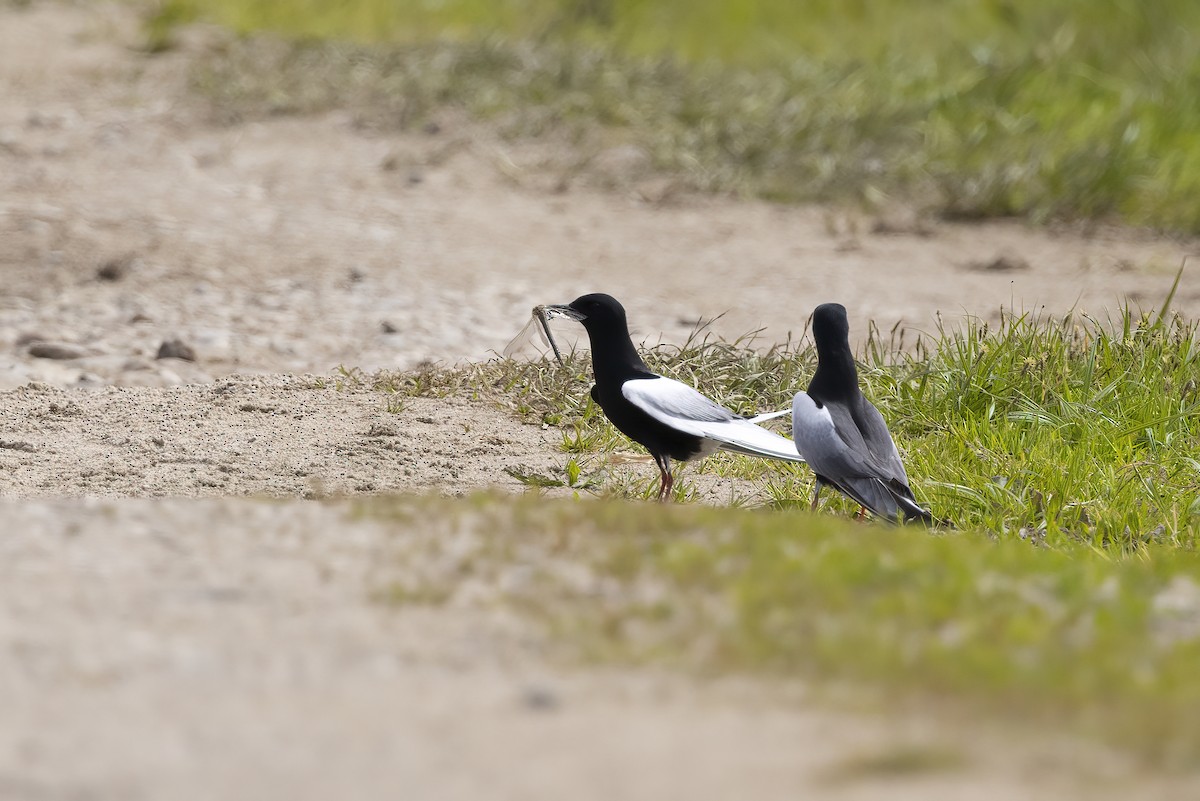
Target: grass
(1055, 431)
(956, 623)
(1075, 109)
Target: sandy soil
(174, 648)
(147, 656)
(257, 435)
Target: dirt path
(170, 648)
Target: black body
(614, 361)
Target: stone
(56, 350)
(176, 349)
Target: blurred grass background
(1066, 109)
(966, 630)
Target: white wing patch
(672, 402)
(681, 407)
(759, 418)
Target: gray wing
(853, 466)
(886, 458)
(858, 454)
(878, 441)
(828, 438)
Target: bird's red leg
(670, 486)
(816, 495)
(862, 513)
(665, 479)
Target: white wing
(758, 418)
(679, 406)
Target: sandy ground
(145, 657)
(227, 647)
(274, 436)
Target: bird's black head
(830, 325)
(597, 312)
(613, 355)
(836, 378)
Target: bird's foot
(665, 486)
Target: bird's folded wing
(832, 445)
(861, 458)
(871, 493)
(674, 404)
(879, 440)
(759, 418)
(683, 408)
(885, 499)
(742, 436)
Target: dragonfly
(538, 328)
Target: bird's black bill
(561, 310)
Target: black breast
(658, 438)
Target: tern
(667, 417)
(842, 435)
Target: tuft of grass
(1071, 638)
(1055, 430)
(1081, 109)
(573, 477)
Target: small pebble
(114, 269)
(382, 430)
(56, 350)
(539, 698)
(1005, 263)
(176, 349)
